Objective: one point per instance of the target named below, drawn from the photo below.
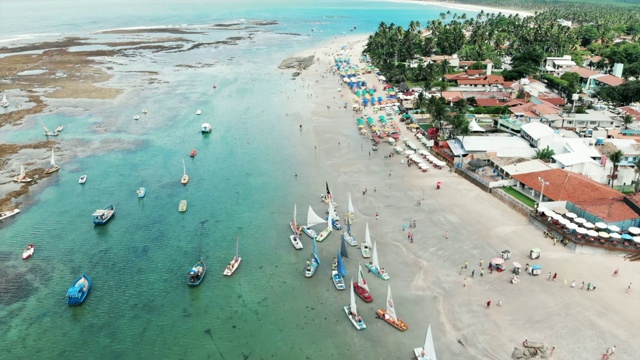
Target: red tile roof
(558, 101)
(475, 72)
(610, 80)
(452, 95)
(490, 102)
(608, 210)
(583, 72)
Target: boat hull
(376, 272)
(365, 250)
(7, 214)
(360, 325)
(101, 220)
(323, 235)
(420, 354)
(182, 206)
(362, 293)
(141, 192)
(193, 153)
(398, 324)
(83, 179)
(52, 170)
(310, 269)
(22, 180)
(293, 228)
(77, 300)
(233, 265)
(309, 232)
(28, 251)
(295, 242)
(351, 240)
(185, 179)
(338, 280)
(195, 281)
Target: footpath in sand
(426, 276)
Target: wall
(511, 202)
(503, 183)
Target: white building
(536, 133)
(555, 64)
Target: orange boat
(389, 315)
(193, 153)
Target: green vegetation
(544, 154)
(519, 196)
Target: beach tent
(370, 121)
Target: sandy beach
(469, 7)
(426, 275)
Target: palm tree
(615, 157)
(545, 154)
(637, 170)
(626, 120)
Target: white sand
(468, 7)
(425, 275)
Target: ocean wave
(28, 37)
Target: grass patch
(519, 196)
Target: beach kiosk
(535, 253)
(505, 254)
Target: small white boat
(352, 312)
(28, 251)
(22, 178)
(205, 128)
(136, 117)
(185, 177)
(295, 238)
(182, 207)
(4, 102)
(144, 111)
(326, 232)
(59, 129)
(312, 219)
(7, 214)
(428, 351)
(233, 265)
(365, 247)
(347, 237)
(198, 112)
(53, 167)
(48, 132)
(141, 192)
(83, 179)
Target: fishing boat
(83, 179)
(312, 219)
(4, 102)
(198, 112)
(196, 273)
(313, 262)
(193, 153)
(295, 238)
(374, 266)
(28, 251)
(48, 132)
(22, 178)
(427, 351)
(103, 215)
(347, 237)
(233, 265)
(361, 288)
(325, 233)
(389, 315)
(339, 274)
(350, 212)
(182, 206)
(365, 247)
(59, 129)
(352, 312)
(77, 293)
(136, 117)
(8, 214)
(53, 167)
(144, 111)
(141, 192)
(205, 128)
(185, 177)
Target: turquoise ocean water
(242, 184)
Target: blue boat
(79, 290)
(103, 215)
(196, 274)
(312, 264)
(339, 274)
(336, 224)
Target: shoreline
(467, 7)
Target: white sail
(313, 218)
(361, 281)
(429, 349)
(331, 214)
(374, 257)
(367, 236)
(4, 103)
(391, 309)
(295, 223)
(184, 168)
(22, 172)
(353, 300)
(53, 159)
(351, 211)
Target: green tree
(545, 154)
(615, 158)
(636, 164)
(627, 120)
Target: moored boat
(103, 215)
(374, 266)
(53, 167)
(339, 274)
(295, 238)
(312, 219)
(48, 132)
(7, 214)
(198, 112)
(144, 111)
(365, 247)
(428, 351)
(193, 153)
(196, 273)
(233, 265)
(347, 237)
(352, 312)
(28, 251)
(141, 192)
(389, 315)
(361, 288)
(185, 177)
(182, 206)
(313, 263)
(22, 178)
(83, 179)
(59, 129)
(77, 293)
(5, 102)
(136, 117)
(205, 128)
(326, 232)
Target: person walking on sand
(481, 272)
(446, 236)
(480, 262)
(499, 303)
(629, 289)
(573, 284)
(404, 227)
(377, 216)
(555, 275)
(473, 273)
(549, 277)
(489, 304)
(582, 286)
(414, 224)
(615, 273)
(464, 282)
(465, 264)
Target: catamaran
(233, 265)
(352, 312)
(4, 102)
(324, 233)
(428, 351)
(365, 247)
(389, 315)
(313, 263)
(22, 178)
(374, 266)
(53, 167)
(185, 177)
(48, 132)
(312, 219)
(361, 288)
(339, 274)
(295, 238)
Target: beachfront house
(537, 134)
(588, 120)
(558, 65)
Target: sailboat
(22, 178)
(428, 351)
(198, 112)
(347, 237)
(313, 263)
(339, 274)
(53, 167)
(324, 233)
(48, 132)
(327, 198)
(295, 238)
(185, 177)
(312, 219)
(361, 288)
(365, 247)
(389, 315)
(233, 265)
(352, 312)
(374, 266)
(351, 212)
(141, 192)
(4, 102)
